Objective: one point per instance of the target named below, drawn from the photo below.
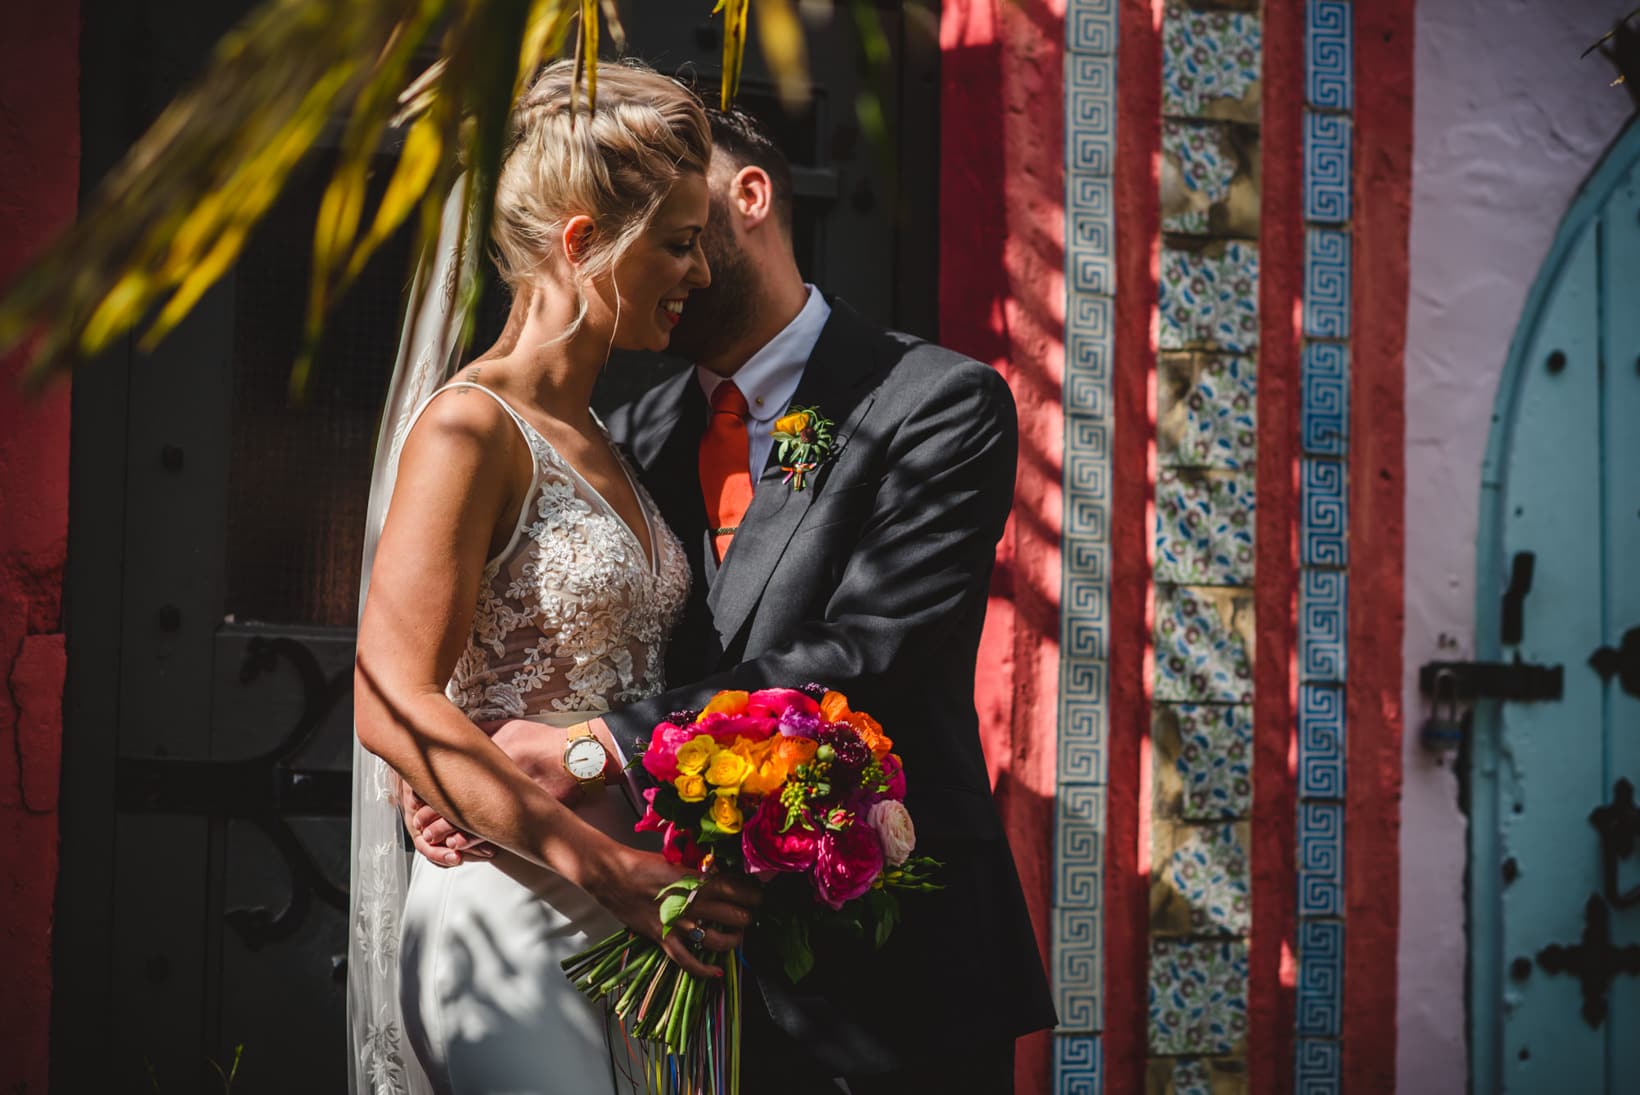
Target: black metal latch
(1517, 680)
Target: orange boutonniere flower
(804, 436)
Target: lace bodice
(571, 615)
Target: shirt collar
(770, 377)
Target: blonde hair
(615, 164)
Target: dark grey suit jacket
(872, 581)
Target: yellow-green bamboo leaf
(118, 312)
(418, 160)
(781, 34)
(589, 49)
(734, 49)
(337, 224)
(204, 275)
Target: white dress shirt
(770, 377)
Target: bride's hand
(537, 749)
(723, 908)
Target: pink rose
(661, 758)
(768, 850)
(895, 833)
(651, 822)
(679, 847)
(848, 863)
(775, 702)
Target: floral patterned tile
(1198, 996)
(1204, 643)
(1211, 64)
(1201, 886)
(1207, 411)
(1204, 761)
(1208, 298)
(1204, 527)
(1209, 179)
(1196, 1076)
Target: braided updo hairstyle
(615, 164)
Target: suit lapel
(668, 451)
(833, 382)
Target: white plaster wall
(1507, 123)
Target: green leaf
(797, 958)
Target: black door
(213, 566)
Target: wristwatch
(585, 757)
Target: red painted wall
(1372, 818)
(1002, 214)
(1271, 970)
(39, 178)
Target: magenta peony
(847, 864)
(726, 728)
(894, 773)
(661, 758)
(775, 702)
(768, 850)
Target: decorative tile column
(1090, 234)
(1206, 391)
(1323, 543)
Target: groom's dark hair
(743, 138)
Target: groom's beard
(717, 317)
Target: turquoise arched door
(1555, 852)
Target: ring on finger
(696, 935)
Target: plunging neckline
(650, 556)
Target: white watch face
(585, 758)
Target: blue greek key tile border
(1327, 177)
(1324, 513)
(1078, 1066)
(1320, 976)
(1330, 44)
(1320, 741)
(1324, 416)
(1090, 281)
(1327, 283)
(1318, 1067)
(1320, 859)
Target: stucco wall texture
(1507, 123)
(39, 178)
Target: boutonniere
(805, 437)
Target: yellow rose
(691, 788)
(726, 812)
(726, 703)
(728, 768)
(791, 423)
(766, 780)
(695, 754)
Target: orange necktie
(725, 480)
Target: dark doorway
(213, 565)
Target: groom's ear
(751, 193)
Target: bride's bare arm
(453, 488)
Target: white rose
(892, 822)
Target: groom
(871, 580)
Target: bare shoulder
(463, 426)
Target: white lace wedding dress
(572, 620)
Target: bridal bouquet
(794, 788)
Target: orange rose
(726, 703)
(791, 423)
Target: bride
(523, 582)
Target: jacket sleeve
(924, 553)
